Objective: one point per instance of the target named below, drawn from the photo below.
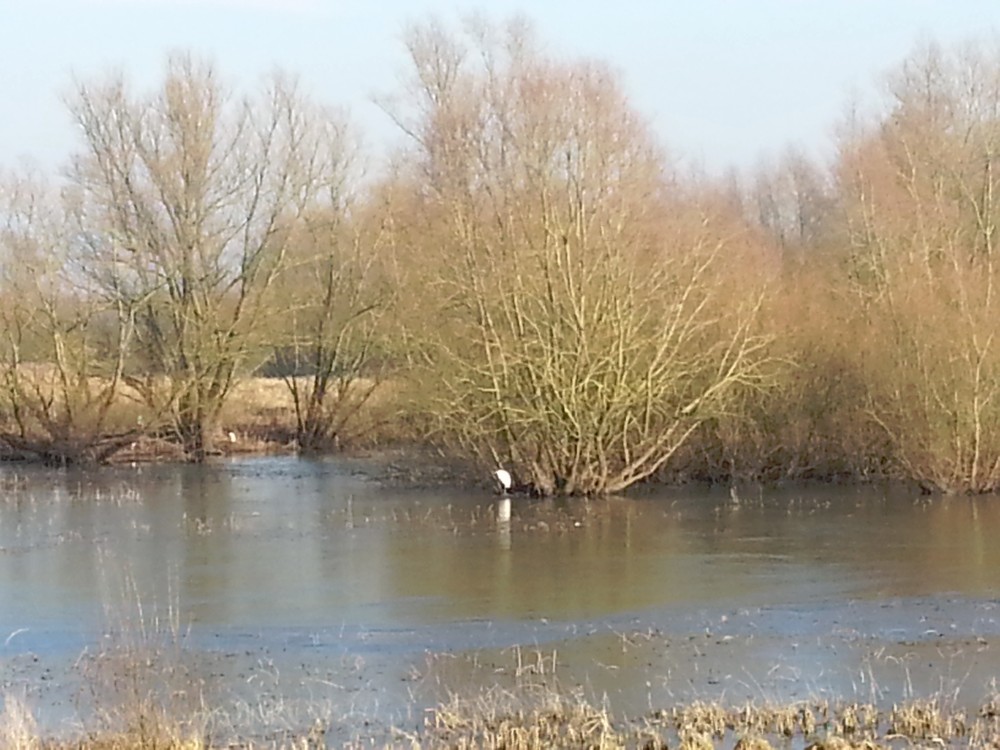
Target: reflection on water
(299, 543)
(290, 551)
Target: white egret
(506, 483)
(504, 479)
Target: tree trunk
(197, 437)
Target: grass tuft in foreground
(505, 720)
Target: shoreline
(419, 466)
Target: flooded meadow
(298, 593)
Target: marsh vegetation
(276, 601)
(146, 692)
(530, 280)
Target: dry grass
(260, 401)
(500, 719)
(534, 719)
(261, 412)
(18, 728)
(146, 690)
(143, 687)
(504, 720)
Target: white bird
(232, 436)
(504, 479)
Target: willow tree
(921, 192)
(570, 307)
(329, 351)
(187, 193)
(61, 351)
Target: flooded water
(352, 601)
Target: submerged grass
(503, 720)
(145, 689)
(142, 688)
(531, 717)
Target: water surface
(371, 600)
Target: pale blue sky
(724, 83)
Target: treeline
(529, 282)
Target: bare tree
(575, 331)
(329, 353)
(62, 349)
(794, 203)
(186, 194)
(920, 192)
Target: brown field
(261, 412)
